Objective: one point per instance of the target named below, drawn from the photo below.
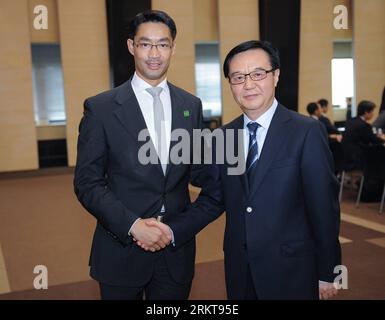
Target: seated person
(359, 133)
(380, 121)
(332, 131)
(313, 110)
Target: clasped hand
(151, 235)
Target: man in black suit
(333, 133)
(282, 213)
(314, 110)
(121, 192)
(358, 134)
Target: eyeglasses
(147, 46)
(255, 75)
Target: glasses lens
(237, 79)
(258, 75)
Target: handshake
(151, 234)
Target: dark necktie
(252, 155)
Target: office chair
(374, 168)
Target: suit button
(249, 209)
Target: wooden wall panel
(206, 20)
(369, 50)
(316, 52)
(238, 22)
(84, 53)
(18, 146)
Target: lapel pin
(186, 113)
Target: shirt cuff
(172, 237)
(129, 231)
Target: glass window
(47, 77)
(342, 81)
(208, 78)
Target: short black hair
(250, 45)
(312, 107)
(365, 106)
(323, 102)
(151, 16)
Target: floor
(42, 224)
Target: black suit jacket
(285, 225)
(330, 128)
(116, 188)
(358, 133)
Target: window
(342, 81)
(208, 78)
(47, 77)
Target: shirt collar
(139, 84)
(264, 119)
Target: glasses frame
(137, 44)
(249, 74)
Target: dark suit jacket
(330, 128)
(358, 133)
(286, 224)
(380, 121)
(116, 188)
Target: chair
(345, 159)
(338, 156)
(374, 168)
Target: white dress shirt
(146, 104)
(264, 121)
(146, 101)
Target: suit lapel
(130, 115)
(178, 121)
(236, 125)
(274, 139)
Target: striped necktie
(252, 154)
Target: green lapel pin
(186, 113)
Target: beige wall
(84, 54)
(206, 20)
(369, 49)
(316, 52)
(238, 22)
(18, 146)
(50, 35)
(182, 69)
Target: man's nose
(249, 83)
(154, 52)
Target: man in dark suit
(121, 192)
(358, 134)
(282, 214)
(333, 133)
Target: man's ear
(130, 46)
(173, 48)
(276, 77)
